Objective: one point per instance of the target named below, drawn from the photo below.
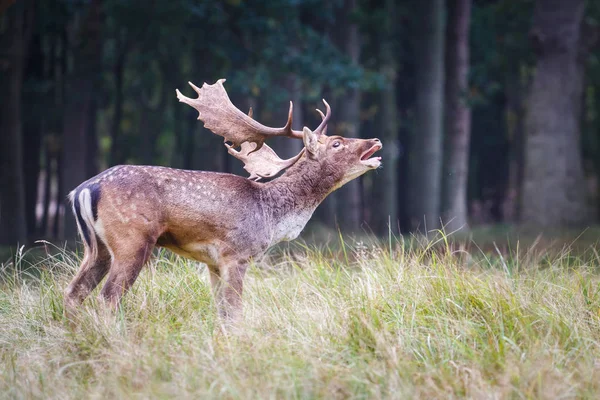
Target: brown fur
(219, 219)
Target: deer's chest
(289, 225)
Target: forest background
(489, 110)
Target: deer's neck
(290, 200)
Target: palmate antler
(220, 116)
(263, 163)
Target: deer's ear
(310, 140)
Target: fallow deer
(219, 219)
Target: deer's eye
(336, 144)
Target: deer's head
(341, 159)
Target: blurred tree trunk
(154, 115)
(116, 156)
(457, 117)
(349, 204)
(35, 98)
(44, 218)
(53, 125)
(184, 150)
(15, 32)
(554, 187)
(515, 116)
(427, 155)
(385, 214)
(58, 212)
(148, 133)
(79, 103)
(294, 87)
(91, 165)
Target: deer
(222, 220)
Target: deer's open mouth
(371, 162)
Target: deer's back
(198, 214)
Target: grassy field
(426, 320)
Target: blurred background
(489, 110)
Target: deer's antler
(322, 128)
(220, 116)
(261, 163)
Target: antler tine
(322, 118)
(196, 88)
(322, 128)
(291, 132)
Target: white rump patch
(85, 210)
(85, 206)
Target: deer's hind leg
(129, 257)
(92, 270)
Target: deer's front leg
(228, 284)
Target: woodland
(489, 110)
(489, 115)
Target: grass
(426, 320)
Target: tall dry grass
(425, 320)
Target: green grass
(426, 320)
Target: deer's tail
(84, 205)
